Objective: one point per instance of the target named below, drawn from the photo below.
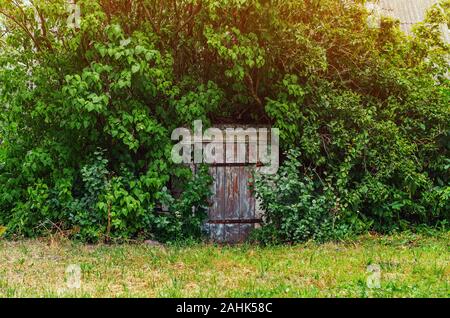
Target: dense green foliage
(87, 111)
(299, 208)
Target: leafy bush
(188, 213)
(300, 206)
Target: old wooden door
(232, 215)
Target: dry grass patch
(411, 266)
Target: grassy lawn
(411, 266)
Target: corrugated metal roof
(409, 12)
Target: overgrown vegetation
(86, 114)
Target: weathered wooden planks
(232, 214)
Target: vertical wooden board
(252, 152)
(241, 153)
(246, 198)
(231, 193)
(243, 201)
(232, 233)
(249, 212)
(230, 153)
(244, 231)
(221, 187)
(218, 197)
(217, 232)
(213, 206)
(251, 194)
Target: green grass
(411, 266)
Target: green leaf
(135, 68)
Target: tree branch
(149, 17)
(253, 90)
(197, 9)
(23, 27)
(43, 27)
